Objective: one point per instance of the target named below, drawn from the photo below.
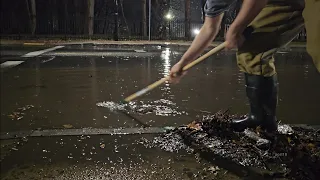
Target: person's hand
(176, 73)
(234, 39)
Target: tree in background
(187, 20)
(102, 17)
(31, 8)
(144, 18)
(90, 17)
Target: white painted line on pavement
(141, 51)
(37, 53)
(8, 64)
(47, 60)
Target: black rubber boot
(262, 93)
(255, 93)
(269, 103)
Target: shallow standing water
(64, 87)
(61, 89)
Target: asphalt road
(64, 89)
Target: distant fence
(105, 29)
(116, 19)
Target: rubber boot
(269, 103)
(254, 91)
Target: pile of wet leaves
(293, 152)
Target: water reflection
(165, 56)
(75, 85)
(306, 71)
(166, 61)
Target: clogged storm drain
(290, 153)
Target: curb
(125, 43)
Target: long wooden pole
(161, 81)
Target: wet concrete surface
(64, 88)
(101, 157)
(18, 50)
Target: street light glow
(169, 16)
(196, 31)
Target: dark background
(113, 19)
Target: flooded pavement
(195, 151)
(101, 157)
(66, 89)
(80, 86)
(11, 52)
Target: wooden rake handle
(161, 81)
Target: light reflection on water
(67, 89)
(166, 60)
(165, 56)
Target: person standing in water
(275, 23)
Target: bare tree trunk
(116, 22)
(66, 19)
(104, 30)
(29, 14)
(144, 18)
(187, 19)
(90, 16)
(78, 25)
(55, 19)
(124, 18)
(32, 15)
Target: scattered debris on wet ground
(293, 152)
(19, 113)
(86, 80)
(98, 171)
(102, 146)
(12, 145)
(67, 126)
(159, 107)
(111, 105)
(209, 144)
(101, 157)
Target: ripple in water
(111, 105)
(160, 107)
